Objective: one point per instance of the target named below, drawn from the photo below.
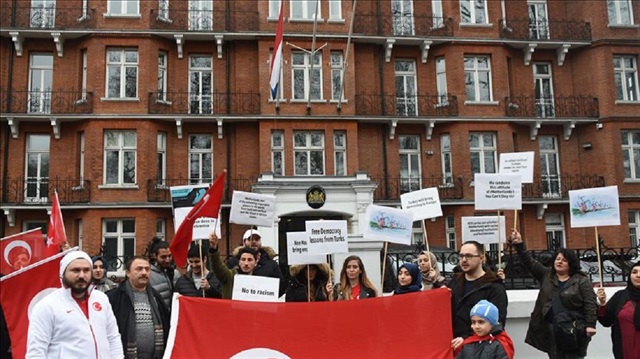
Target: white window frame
(161, 228)
(40, 98)
(630, 156)
(277, 149)
(617, 16)
(274, 9)
(85, 63)
(441, 81)
(307, 9)
(163, 9)
(335, 10)
(80, 229)
(201, 15)
(305, 69)
(437, 14)
(201, 153)
(483, 150)
(475, 70)
(409, 80)
(122, 66)
(308, 149)
(450, 232)
(408, 154)
(445, 153)
(474, 12)
(555, 227)
(121, 149)
(202, 98)
(163, 73)
(43, 14)
(340, 150)
(120, 236)
(124, 10)
(545, 102)
(41, 179)
(161, 163)
(336, 63)
(627, 77)
(403, 17)
(634, 228)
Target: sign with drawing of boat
(388, 225)
(594, 207)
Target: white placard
(253, 288)
(483, 229)
(327, 237)
(183, 199)
(252, 209)
(594, 207)
(388, 224)
(497, 191)
(518, 162)
(298, 250)
(424, 203)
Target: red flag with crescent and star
(56, 235)
(20, 250)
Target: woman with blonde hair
(431, 277)
(354, 283)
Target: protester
(246, 266)
(471, 285)
(99, 275)
(622, 314)
(150, 249)
(429, 272)
(489, 340)
(142, 316)
(354, 283)
(163, 274)
(409, 279)
(564, 291)
(74, 321)
(198, 281)
(309, 281)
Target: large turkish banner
(415, 325)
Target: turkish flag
(207, 206)
(20, 291)
(415, 325)
(56, 234)
(20, 250)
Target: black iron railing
(390, 189)
(158, 189)
(40, 190)
(552, 107)
(184, 103)
(48, 17)
(204, 20)
(409, 106)
(46, 102)
(546, 30)
(558, 186)
(402, 26)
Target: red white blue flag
(276, 58)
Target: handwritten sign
(594, 207)
(423, 204)
(183, 198)
(327, 237)
(298, 250)
(255, 289)
(252, 209)
(388, 224)
(483, 229)
(497, 191)
(518, 163)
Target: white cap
(70, 257)
(249, 233)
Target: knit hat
(249, 233)
(70, 257)
(487, 310)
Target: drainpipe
(5, 159)
(228, 138)
(384, 127)
(504, 14)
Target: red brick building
(110, 102)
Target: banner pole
(515, 219)
(426, 241)
(384, 264)
(499, 243)
(598, 253)
(201, 266)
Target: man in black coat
(196, 281)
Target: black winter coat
(297, 289)
(610, 319)
(489, 287)
(266, 266)
(577, 295)
(185, 286)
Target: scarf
(634, 295)
(131, 351)
(501, 336)
(415, 284)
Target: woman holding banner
(566, 298)
(430, 274)
(354, 283)
(408, 279)
(309, 283)
(622, 314)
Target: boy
(489, 340)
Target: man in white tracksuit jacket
(74, 321)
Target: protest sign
(518, 163)
(252, 208)
(594, 207)
(423, 204)
(388, 224)
(327, 237)
(483, 229)
(497, 191)
(183, 199)
(298, 250)
(255, 289)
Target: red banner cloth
(415, 325)
(20, 291)
(20, 250)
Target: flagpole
(313, 56)
(277, 55)
(499, 243)
(426, 242)
(598, 253)
(346, 56)
(201, 267)
(384, 264)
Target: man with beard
(246, 265)
(74, 321)
(163, 275)
(142, 316)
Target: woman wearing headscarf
(409, 279)
(429, 272)
(622, 314)
(309, 281)
(99, 275)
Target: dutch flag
(276, 58)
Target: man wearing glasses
(471, 285)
